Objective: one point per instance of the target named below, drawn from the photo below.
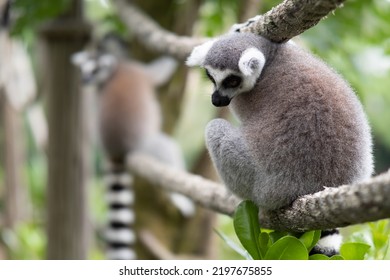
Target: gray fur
(302, 127)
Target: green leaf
(379, 232)
(310, 239)
(264, 243)
(246, 226)
(354, 250)
(276, 235)
(319, 257)
(287, 248)
(337, 258)
(233, 245)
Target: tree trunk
(12, 155)
(67, 218)
(15, 196)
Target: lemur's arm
(230, 156)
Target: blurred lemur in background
(302, 128)
(129, 121)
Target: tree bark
(291, 18)
(67, 216)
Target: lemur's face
(95, 68)
(232, 64)
(228, 83)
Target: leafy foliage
(105, 18)
(212, 22)
(377, 234)
(31, 13)
(287, 248)
(354, 251)
(26, 235)
(262, 244)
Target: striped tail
(120, 235)
(329, 243)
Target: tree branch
(150, 34)
(291, 18)
(330, 208)
(283, 22)
(204, 192)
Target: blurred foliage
(29, 14)
(355, 40)
(1, 189)
(26, 242)
(104, 18)
(36, 174)
(376, 234)
(216, 16)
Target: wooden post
(67, 218)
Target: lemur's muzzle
(219, 100)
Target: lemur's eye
(210, 77)
(232, 81)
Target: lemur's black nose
(219, 100)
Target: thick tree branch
(283, 22)
(333, 207)
(291, 18)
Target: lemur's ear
(198, 54)
(251, 61)
(161, 69)
(79, 58)
(107, 60)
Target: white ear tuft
(79, 58)
(161, 69)
(198, 54)
(251, 61)
(107, 60)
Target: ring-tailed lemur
(302, 128)
(129, 120)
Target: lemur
(302, 128)
(129, 120)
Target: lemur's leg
(230, 157)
